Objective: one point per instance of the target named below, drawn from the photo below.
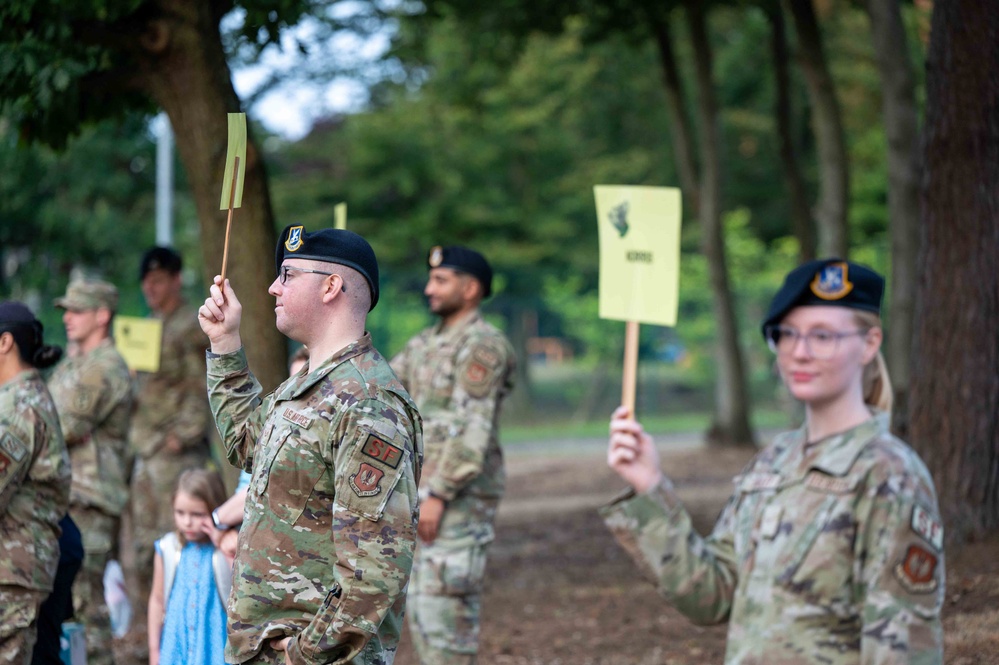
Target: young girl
(831, 548)
(191, 579)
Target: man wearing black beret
(458, 371)
(326, 546)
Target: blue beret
(332, 246)
(827, 282)
(464, 260)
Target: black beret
(827, 282)
(160, 258)
(332, 246)
(464, 260)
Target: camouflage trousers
(18, 623)
(153, 482)
(99, 531)
(445, 589)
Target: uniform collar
(467, 319)
(298, 384)
(837, 453)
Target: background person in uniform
(93, 394)
(458, 371)
(169, 430)
(831, 549)
(326, 545)
(34, 480)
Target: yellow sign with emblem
(639, 231)
(138, 340)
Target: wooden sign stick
(630, 377)
(228, 223)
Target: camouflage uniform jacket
(94, 396)
(173, 398)
(826, 553)
(459, 376)
(34, 483)
(326, 546)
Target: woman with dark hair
(831, 548)
(34, 480)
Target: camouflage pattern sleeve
(85, 397)
(697, 575)
(900, 567)
(190, 422)
(483, 372)
(373, 533)
(15, 460)
(234, 397)
(400, 363)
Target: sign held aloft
(232, 178)
(639, 231)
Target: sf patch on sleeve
(13, 457)
(372, 471)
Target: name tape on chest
(296, 417)
(829, 484)
(927, 527)
(384, 452)
(754, 482)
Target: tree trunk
(802, 223)
(185, 72)
(680, 129)
(834, 178)
(901, 120)
(731, 419)
(954, 393)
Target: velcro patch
(928, 528)
(917, 571)
(384, 452)
(84, 399)
(826, 483)
(365, 481)
(753, 482)
(299, 419)
(14, 447)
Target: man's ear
(6, 342)
(472, 289)
(334, 286)
(103, 316)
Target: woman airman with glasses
(831, 548)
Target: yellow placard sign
(639, 230)
(237, 148)
(340, 216)
(138, 341)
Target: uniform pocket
(455, 572)
(291, 475)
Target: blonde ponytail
(877, 384)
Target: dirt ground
(560, 591)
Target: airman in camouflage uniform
(458, 371)
(831, 548)
(34, 481)
(171, 423)
(93, 393)
(326, 545)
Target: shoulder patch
(84, 399)
(12, 453)
(382, 451)
(365, 481)
(917, 570)
(479, 371)
(927, 527)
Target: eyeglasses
(283, 274)
(820, 344)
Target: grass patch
(520, 432)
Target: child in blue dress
(191, 579)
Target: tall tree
(901, 122)
(954, 395)
(827, 124)
(62, 65)
(802, 223)
(731, 419)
